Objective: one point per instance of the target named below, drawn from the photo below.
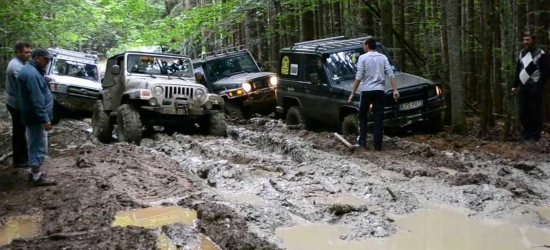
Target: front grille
(171, 91)
(83, 91)
(260, 83)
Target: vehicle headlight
(158, 91)
(153, 102)
(209, 105)
(199, 93)
(61, 88)
(273, 81)
(247, 87)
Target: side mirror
(199, 77)
(314, 78)
(115, 70)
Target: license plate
(411, 105)
(173, 111)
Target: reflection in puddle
(164, 243)
(544, 213)
(154, 217)
(19, 227)
(440, 229)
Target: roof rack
(222, 51)
(327, 44)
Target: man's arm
(544, 67)
(358, 77)
(391, 74)
(37, 98)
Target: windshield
(231, 66)
(343, 65)
(70, 68)
(159, 65)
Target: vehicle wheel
(235, 111)
(129, 124)
(57, 113)
(295, 117)
(101, 123)
(350, 125)
(434, 124)
(214, 125)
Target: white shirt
(371, 70)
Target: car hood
(75, 81)
(239, 78)
(404, 80)
(148, 82)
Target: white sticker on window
(294, 69)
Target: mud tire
(433, 125)
(295, 117)
(215, 125)
(350, 125)
(57, 113)
(101, 123)
(234, 111)
(129, 124)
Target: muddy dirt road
(268, 187)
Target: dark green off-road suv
(316, 78)
(234, 75)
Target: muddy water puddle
(19, 227)
(156, 217)
(544, 212)
(440, 228)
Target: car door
(317, 91)
(291, 88)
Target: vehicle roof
(224, 53)
(148, 53)
(326, 45)
(76, 54)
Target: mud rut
(264, 177)
(273, 177)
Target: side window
(289, 67)
(315, 65)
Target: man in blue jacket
(36, 102)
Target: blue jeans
(37, 141)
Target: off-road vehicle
(145, 89)
(317, 77)
(74, 81)
(234, 74)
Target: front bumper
(260, 98)
(402, 121)
(74, 102)
(180, 111)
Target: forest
(471, 46)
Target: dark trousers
(376, 98)
(530, 110)
(18, 139)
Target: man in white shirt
(370, 80)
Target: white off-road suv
(145, 89)
(74, 80)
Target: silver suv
(144, 89)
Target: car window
(343, 65)
(289, 66)
(315, 65)
(66, 67)
(159, 65)
(229, 66)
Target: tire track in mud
(274, 178)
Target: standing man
(18, 139)
(531, 74)
(36, 112)
(370, 80)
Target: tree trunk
(275, 43)
(387, 24)
(471, 54)
(497, 70)
(327, 31)
(308, 32)
(542, 29)
(411, 29)
(251, 36)
(457, 89)
(399, 25)
(486, 71)
(337, 20)
(366, 20)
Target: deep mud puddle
(439, 228)
(156, 217)
(19, 227)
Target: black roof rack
(327, 44)
(222, 52)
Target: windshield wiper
(152, 76)
(179, 77)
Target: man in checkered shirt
(531, 74)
